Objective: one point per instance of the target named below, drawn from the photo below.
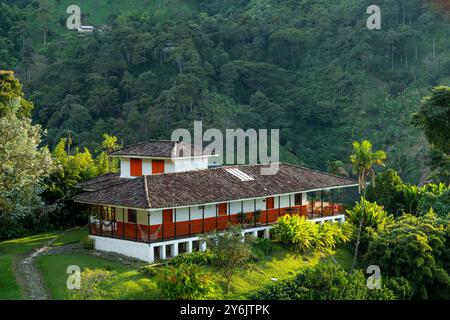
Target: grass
(71, 236)
(9, 289)
(281, 265)
(129, 284)
(11, 249)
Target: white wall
(170, 165)
(190, 164)
(146, 166)
(155, 217)
(125, 167)
(127, 248)
(210, 210)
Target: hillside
(310, 68)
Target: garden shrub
(149, 270)
(327, 281)
(296, 231)
(88, 243)
(262, 247)
(196, 257)
(94, 285)
(306, 235)
(185, 282)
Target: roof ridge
(146, 191)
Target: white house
(164, 198)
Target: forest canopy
(310, 68)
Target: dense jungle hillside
(308, 67)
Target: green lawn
(9, 289)
(283, 264)
(71, 236)
(9, 251)
(130, 283)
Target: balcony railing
(182, 229)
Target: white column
(151, 254)
(255, 234)
(162, 252)
(203, 246)
(266, 233)
(189, 247)
(174, 249)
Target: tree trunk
(228, 284)
(358, 239)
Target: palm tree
(363, 159)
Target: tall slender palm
(363, 160)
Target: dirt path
(29, 277)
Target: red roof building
(165, 196)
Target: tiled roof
(159, 149)
(209, 186)
(101, 182)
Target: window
(298, 199)
(132, 215)
(157, 166)
(107, 213)
(135, 167)
(222, 209)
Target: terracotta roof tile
(209, 186)
(159, 149)
(101, 182)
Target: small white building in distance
(86, 29)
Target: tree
(11, 92)
(415, 248)
(387, 190)
(23, 164)
(231, 250)
(434, 118)
(363, 160)
(70, 170)
(368, 214)
(439, 203)
(337, 168)
(105, 163)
